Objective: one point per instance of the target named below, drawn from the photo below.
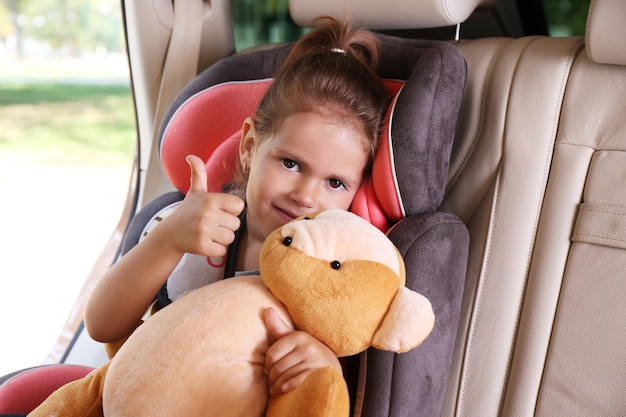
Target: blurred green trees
(62, 27)
(566, 17)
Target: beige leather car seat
(539, 176)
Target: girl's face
(313, 162)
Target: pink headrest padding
(204, 121)
(367, 206)
(222, 163)
(214, 136)
(378, 200)
(22, 393)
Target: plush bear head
(342, 280)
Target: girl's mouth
(285, 215)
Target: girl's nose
(305, 193)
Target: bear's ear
(408, 322)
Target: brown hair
(331, 69)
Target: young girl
(309, 147)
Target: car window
(67, 144)
(259, 22)
(566, 17)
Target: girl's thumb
(275, 324)
(198, 180)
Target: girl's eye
(289, 164)
(334, 183)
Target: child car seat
(426, 79)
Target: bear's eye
(287, 240)
(307, 218)
(335, 264)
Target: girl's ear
(248, 142)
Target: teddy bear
(331, 274)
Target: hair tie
(338, 51)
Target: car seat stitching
(456, 175)
(467, 360)
(615, 239)
(478, 298)
(567, 69)
(590, 14)
(544, 181)
(394, 175)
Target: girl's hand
(205, 223)
(293, 356)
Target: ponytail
(331, 69)
(333, 36)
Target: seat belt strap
(179, 67)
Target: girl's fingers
(197, 182)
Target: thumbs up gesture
(205, 223)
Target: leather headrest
(387, 14)
(606, 32)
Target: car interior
(534, 174)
